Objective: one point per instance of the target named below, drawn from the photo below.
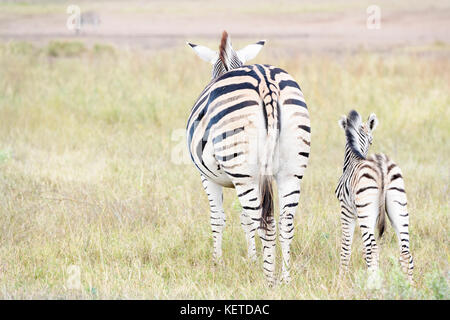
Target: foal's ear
(343, 122)
(250, 51)
(205, 53)
(372, 121)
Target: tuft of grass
(103, 49)
(88, 177)
(5, 155)
(20, 48)
(398, 287)
(65, 48)
(437, 284)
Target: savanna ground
(93, 169)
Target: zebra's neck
(350, 158)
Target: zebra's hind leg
(250, 231)
(348, 222)
(249, 198)
(289, 195)
(215, 197)
(396, 207)
(268, 239)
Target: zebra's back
(235, 117)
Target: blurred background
(306, 26)
(98, 198)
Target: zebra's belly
(233, 151)
(224, 180)
(215, 171)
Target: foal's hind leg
(367, 213)
(348, 222)
(396, 207)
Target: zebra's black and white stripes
(368, 188)
(250, 125)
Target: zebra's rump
(233, 117)
(369, 179)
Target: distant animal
(368, 188)
(250, 125)
(88, 18)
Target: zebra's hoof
(271, 282)
(285, 279)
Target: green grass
(89, 176)
(66, 49)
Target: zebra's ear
(372, 121)
(249, 52)
(343, 122)
(205, 53)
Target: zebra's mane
(351, 133)
(227, 55)
(225, 50)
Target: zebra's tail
(272, 109)
(381, 220)
(266, 201)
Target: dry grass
(86, 176)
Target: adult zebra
(250, 125)
(369, 187)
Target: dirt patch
(329, 27)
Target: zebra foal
(368, 188)
(250, 125)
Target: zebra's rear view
(250, 125)
(369, 187)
